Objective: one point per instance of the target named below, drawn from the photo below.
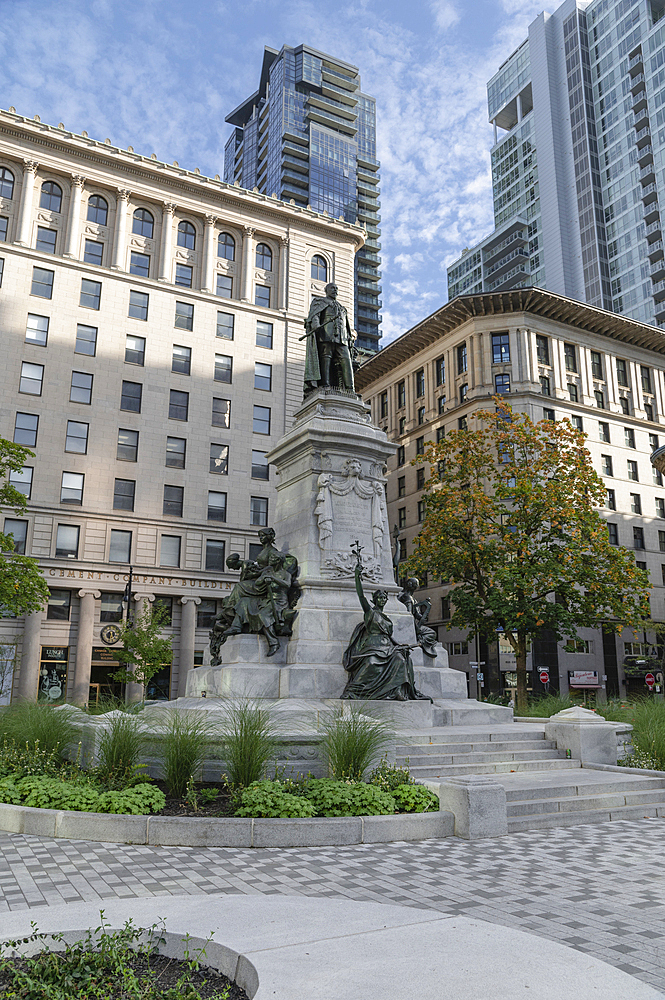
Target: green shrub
(415, 799)
(121, 745)
(138, 801)
(337, 798)
(81, 795)
(647, 716)
(36, 724)
(9, 791)
(352, 741)
(390, 776)
(27, 759)
(543, 708)
(268, 799)
(250, 740)
(187, 740)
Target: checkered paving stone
(598, 889)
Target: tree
(144, 650)
(512, 523)
(22, 587)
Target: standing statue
(426, 636)
(262, 602)
(330, 344)
(379, 668)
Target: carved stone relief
(348, 507)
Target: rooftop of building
(536, 301)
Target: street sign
(480, 678)
(649, 680)
(544, 677)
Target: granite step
(479, 757)
(590, 816)
(497, 767)
(585, 803)
(629, 784)
(472, 746)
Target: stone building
(151, 320)
(552, 358)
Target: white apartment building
(151, 320)
(555, 359)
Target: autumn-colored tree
(512, 523)
(22, 587)
(144, 650)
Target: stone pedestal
(588, 736)
(478, 803)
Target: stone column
(122, 204)
(25, 208)
(76, 192)
(84, 646)
(208, 275)
(28, 681)
(133, 690)
(167, 240)
(187, 639)
(283, 296)
(247, 251)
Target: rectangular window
(223, 368)
(138, 305)
(439, 371)
(600, 399)
(170, 550)
(262, 376)
(120, 549)
(260, 467)
(181, 360)
(178, 405)
(622, 372)
(219, 459)
(570, 357)
(130, 398)
(445, 609)
(262, 296)
(629, 436)
(383, 407)
(45, 239)
(402, 426)
(461, 359)
(461, 423)
(420, 446)
(636, 503)
(86, 340)
(59, 604)
(91, 293)
(632, 471)
(216, 506)
(611, 500)
(183, 275)
(401, 455)
(624, 402)
(401, 486)
(21, 480)
(657, 477)
(421, 510)
(134, 350)
(76, 439)
(258, 511)
(603, 432)
(25, 429)
(458, 648)
(543, 350)
(545, 385)
(645, 375)
(401, 395)
(613, 533)
(660, 507)
(128, 445)
(502, 384)
(441, 404)
(36, 330)
(421, 414)
(215, 555)
(184, 316)
(401, 517)
(500, 348)
(123, 494)
(576, 421)
(111, 605)
(661, 541)
(572, 392)
(440, 434)
(420, 382)
(577, 646)
(81, 388)
(67, 541)
(175, 452)
(402, 549)
(42, 283)
(3, 228)
(71, 489)
(206, 612)
(139, 264)
(225, 325)
(19, 532)
(32, 377)
(224, 286)
(173, 501)
(606, 465)
(261, 420)
(648, 412)
(221, 412)
(463, 390)
(549, 415)
(166, 603)
(638, 538)
(93, 252)
(596, 364)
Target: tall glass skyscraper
(578, 162)
(308, 135)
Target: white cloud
(445, 13)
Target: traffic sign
(650, 680)
(544, 677)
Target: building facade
(577, 161)
(308, 134)
(151, 321)
(554, 359)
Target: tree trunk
(520, 656)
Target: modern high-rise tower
(308, 135)
(578, 161)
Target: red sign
(544, 677)
(650, 680)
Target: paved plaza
(598, 889)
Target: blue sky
(161, 76)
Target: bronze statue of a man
(329, 344)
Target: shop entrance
(103, 666)
(53, 673)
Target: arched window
(264, 257)
(143, 224)
(319, 267)
(98, 209)
(186, 235)
(226, 246)
(6, 183)
(51, 197)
